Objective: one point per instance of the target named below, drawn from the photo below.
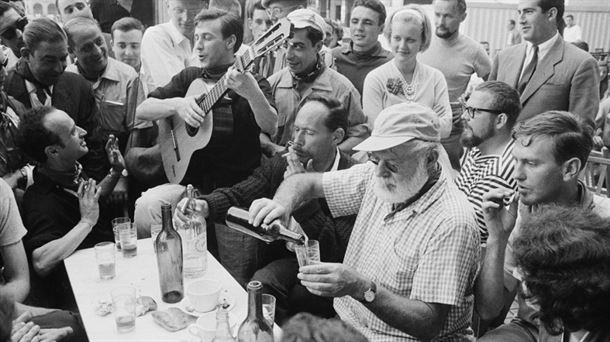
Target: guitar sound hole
(191, 131)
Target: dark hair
(76, 24)
(581, 44)
(505, 98)
(564, 254)
(570, 16)
(374, 5)
(230, 24)
(546, 5)
(126, 24)
(305, 327)
(461, 5)
(253, 5)
(572, 135)
(337, 29)
(512, 22)
(312, 34)
(337, 114)
(230, 6)
(42, 30)
(33, 137)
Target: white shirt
(572, 34)
(165, 52)
(543, 50)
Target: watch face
(369, 295)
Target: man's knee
(148, 206)
(515, 331)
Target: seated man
(233, 151)
(488, 119)
(550, 150)
(319, 128)
(61, 208)
(413, 255)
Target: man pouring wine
(224, 139)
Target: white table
(141, 272)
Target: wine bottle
(168, 247)
(223, 328)
(237, 218)
(194, 239)
(255, 327)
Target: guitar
(177, 139)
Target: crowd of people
(444, 210)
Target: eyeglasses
(472, 110)
(11, 32)
(389, 165)
(278, 11)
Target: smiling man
(549, 73)
(364, 53)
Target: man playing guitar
(233, 150)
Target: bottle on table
(223, 328)
(168, 248)
(255, 328)
(237, 218)
(194, 239)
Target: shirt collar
(543, 48)
(335, 166)
(320, 83)
(111, 73)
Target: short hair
(312, 34)
(42, 30)
(253, 5)
(76, 24)
(564, 255)
(337, 113)
(305, 327)
(570, 16)
(546, 5)
(126, 24)
(571, 134)
(374, 5)
(512, 22)
(231, 6)
(230, 24)
(417, 14)
(337, 29)
(505, 99)
(581, 44)
(33, 136)
(461, 5)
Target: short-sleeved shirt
(481, 173)
(356, 65)
(329, 83)
(429, 251)
(165, 52)
(11, 226)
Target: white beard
(399, 192)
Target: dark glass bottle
(223, 328)
(237, 218)
(168, 247)
(255, 328)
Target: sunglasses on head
(11, 31)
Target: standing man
(70, 9)
(514, 37)
(306, 74)
(457, 56)
(572, 32)
(12, 24)
(166, 48)
(489, 116)
(549, 73)
(258, 23)
(364, 53)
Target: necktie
(41, 94)
(529, 71)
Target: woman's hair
(564, 255)
(412, 13)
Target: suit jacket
(567, 78)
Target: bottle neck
(222, 324)
(255, 304)
(166, 218)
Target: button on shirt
(429, 251)
(165, 52)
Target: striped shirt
(428, 251)
(479, 174)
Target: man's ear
(230, 42)
(571, 168)
(431, 159)
(338, 135)
(463, 17)
(318, 45)
(501, 120)
(51, 151)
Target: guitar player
(246, 110)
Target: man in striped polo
(489, 116)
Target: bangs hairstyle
(374, 5)
(33, 137)
(505, 99)
(126, 24)
(416, 14)
(42, 30)
(337, 116)
(230, 24)
(572, 135)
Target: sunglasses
(11, 31)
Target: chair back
(596, 174)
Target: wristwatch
(369, 295)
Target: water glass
(269, 308)
(104, 254)
(124, 308)
(117, 222)
(154, 231)
(129, 239)
(308, 253)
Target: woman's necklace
(410, 88)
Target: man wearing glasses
(11, 31)
(488, 118)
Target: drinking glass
(269, 308)
(117, 222)
(104, 254)
(308, 253)
(129, 239)
(124, 308)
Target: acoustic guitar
(179, 140)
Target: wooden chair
(597, 172)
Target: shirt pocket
(113, 116)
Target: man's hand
(25, 332)
(263, 211)
(115, 157)
(88, 196)
(179, 217)
(294, 164)
(500, 220)
(51, 335)
(190, 111)
(243, 83)
(333, 280)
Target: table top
(141, 272)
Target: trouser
(279, 278)
(518, 330)
(60, 319)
